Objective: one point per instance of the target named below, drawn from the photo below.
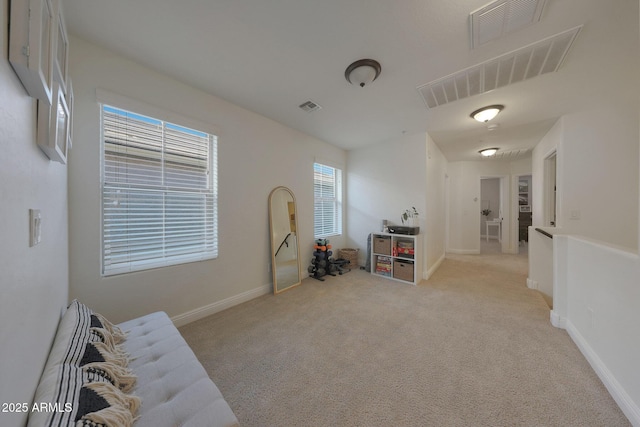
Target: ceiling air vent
(502, 17)
(543, 57)
(309, 106)
(513, 154)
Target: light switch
(34, 226)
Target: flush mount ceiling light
(488, 152)
(362, 72)
(484, 114)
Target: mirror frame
(276, 290)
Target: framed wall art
(53, 126)
(70, 102)
(31, 46)
(61, 57)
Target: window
(327, 193)
(159, 193)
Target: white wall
(436, 209)
(550, 143)
(33, 280)
(595, 266)
(596, 300)
(600, 175)
(465, 203)
(255, 155)
(382, 181)
(541, 247)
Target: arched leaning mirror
(283, 225)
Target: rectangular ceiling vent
(309, 106)
(543, 57)
(502, 17)
(511, 155)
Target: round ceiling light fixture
(363, 72)
(484, 114)
(488, 152)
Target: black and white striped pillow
(64, 376)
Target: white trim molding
(208, 310)
(557, 320)
(433, 269)
(464, 251)
(622, 398)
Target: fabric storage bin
(382, 245)
(349, 254)
(403, 270)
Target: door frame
(515, 206)
(504, 212)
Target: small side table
(498, 224)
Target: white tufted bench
(173, 385)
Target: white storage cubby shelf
(397, 257)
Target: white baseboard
(557, 320)
(208, 310)
(434, 267)
(464, 251)
(622, 398)
(491, 237)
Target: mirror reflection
(283, 224)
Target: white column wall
(34, 281)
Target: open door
(491, 217)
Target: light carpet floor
(472, 346)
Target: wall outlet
(35, 220)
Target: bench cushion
(174, 386)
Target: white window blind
(159, 193)
(327, 192)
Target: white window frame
(208, 194)
(332, 225)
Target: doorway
(524, 211)
(491, 230)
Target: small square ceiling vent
(502, 17)
(542, 57)
(309, 106)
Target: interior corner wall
(435, 215)
(34, 280)
(255, 155)
(383, 181)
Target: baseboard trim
(208, 310)
(622, 398)
(434, 267)
(464, 251)
(557, 320)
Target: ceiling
(271, 56)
